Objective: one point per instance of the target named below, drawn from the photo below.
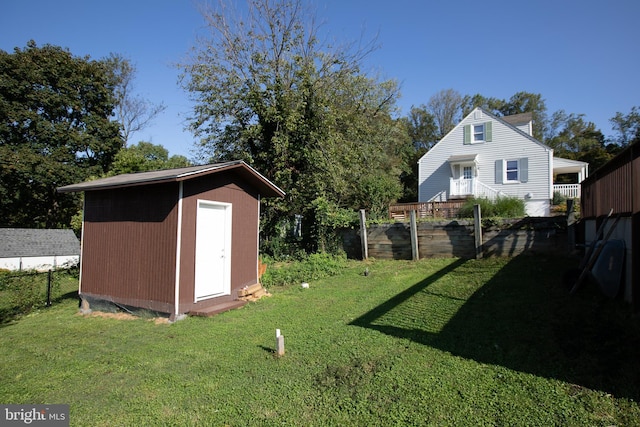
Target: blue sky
(583, 56)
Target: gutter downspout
(176, 309)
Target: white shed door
(213, 250)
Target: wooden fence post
(363, 234)
(414, 237)
(477, 230)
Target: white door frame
(211, 255)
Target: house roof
(265, 187)
(30, 242)
(518, 119)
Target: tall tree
(575, 138)
(145, 156)
(269, 92)
(133, 112)
(55, 129)
(445, 107)
(423, 134)
(627, 126)
(422, 128)
(520, 102)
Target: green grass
(437, 342)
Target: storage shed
(175, 241)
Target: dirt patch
(125, 316)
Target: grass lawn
(436, 342)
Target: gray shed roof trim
(175, 175)
(31, 242)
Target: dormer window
(477, 133)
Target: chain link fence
(24, 292)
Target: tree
(445, 107)
(423, 133)
(143, 157)
(520, 102)
(269, 92)
(627, 126)
(574, 138)
(54, 130)
(133, 112)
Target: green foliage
(558, 198)
(311, 267)
(627, 126)
(24, 292)
(509, 207)
(55, 130)
(504, 207)
(269, 92)
(144, 157)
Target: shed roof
(265, 187)
(31, 242)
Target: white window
(478, 133)
(512, 170)
(467, 172)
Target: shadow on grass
(523, 319)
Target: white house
(489, 156)
(37, 249)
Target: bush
(312, 267)
(504, 207)
(558, 198)
(509, 207)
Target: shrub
(558, 198)
(505, 207)
(312, 267)
(509, 207)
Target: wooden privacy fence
(401, 211)
(458, 238)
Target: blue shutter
(524, 169)
(467, 134)
(499, 165)
(487, 132)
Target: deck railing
(570, 191)
(402, 211)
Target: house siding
(507, 143)
(226, 188)
(128, 253)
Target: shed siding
(225, 187)
(128, 253)
(434, 169)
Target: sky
(582, 56)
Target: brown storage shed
(175, 241)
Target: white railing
(472, 187)
(483, 190)
(462, 187)
(570, 191)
